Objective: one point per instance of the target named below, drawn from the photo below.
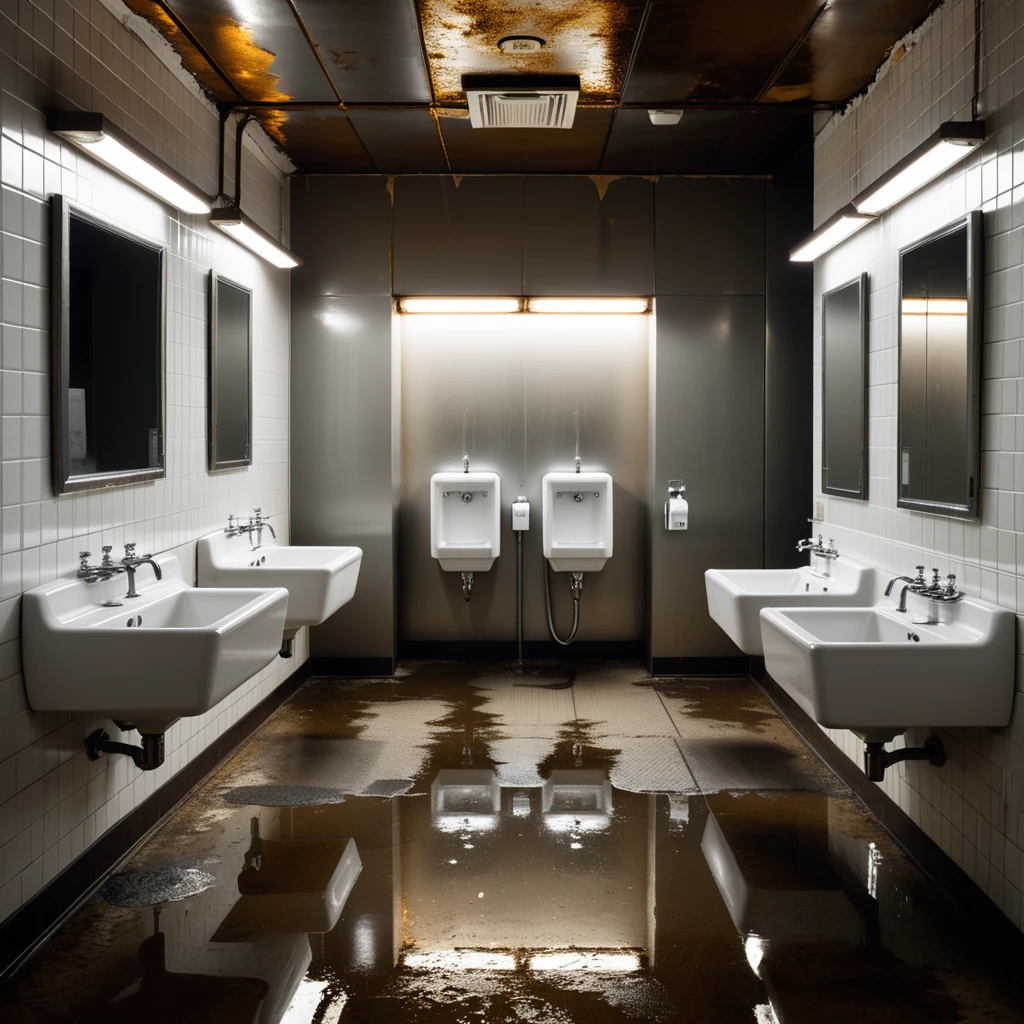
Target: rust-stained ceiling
(351, 86)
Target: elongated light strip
(934, 307)
(836, 229)
(595, 305)
(94, 135)
(459, 305)
(233, 222)
(946, 147)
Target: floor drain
(284, 796)
(147, 888)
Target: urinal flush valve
(467, 585)
(576, 587)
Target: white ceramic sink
(319, 580)
(876, 672)
(736, 596)
(172, 651)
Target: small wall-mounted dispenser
(677, 510)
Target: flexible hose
(576, 587)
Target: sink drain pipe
(877, 758)
(147, 757)
(576, 589)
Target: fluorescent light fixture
(233, 222)
(934, 307)
(597, 305)
(948, 146)
(93, 134)
(456, 305)
(836, 229)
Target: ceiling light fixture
(233, 222)
(596, 305)
(458, 305)
(946, 147)
(665, 116)
(93, 133)
(836, 229)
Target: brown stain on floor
(673, 861)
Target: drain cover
(284, 796)
(147, 888)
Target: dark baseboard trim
(352, 668)
(736, 666)
(29, 926)
(533, 650)
(958, 887)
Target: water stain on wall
(591, 39)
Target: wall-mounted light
(94, 134)
(424, 304)
(233, 222)
(836, 229)
(946, 147)
(595, 305)
(409, 304)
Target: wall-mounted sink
(319, 580)
(736, 596)
(877, 672)
(172, 651)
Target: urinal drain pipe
(576, 588)
(467, 585)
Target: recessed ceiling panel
(724, 50)
(260, 46)
(401, 141)
(323, 142)
(764, 142)
(638, 147)
(845, 48)
(370, 47)
(589, 38)
(527, 150)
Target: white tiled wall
(53, 801)
(974, 806)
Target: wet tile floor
(470, 843)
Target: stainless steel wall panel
(578, 242)
(463, 239)
(709, 427)
(521, 395)
(709, 236)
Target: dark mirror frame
(61, 209)
(975, 305)
(860, 492)
(215, 463)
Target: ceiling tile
(323, 142)
(372, 50)
(638, 147)
(763, 143)
(400, 141)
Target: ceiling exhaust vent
(521, 101)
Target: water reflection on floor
(466, 843)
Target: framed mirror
(844, 391)
(230, 373)
(107, 346)
(940, 371)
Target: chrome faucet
(911, 584)
(130, 564)
(258, 523)
(933, 591)
(818, 549)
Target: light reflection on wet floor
(469, 844)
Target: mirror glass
(939, 362)
(844, 390)
(108, 353)
(230, 373)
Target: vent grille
(500, 103)
(522, 110)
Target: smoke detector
(664, 116)
(521, 101)
(521, 44)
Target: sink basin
(736, 596)
(318, 580)
(876, 672)
(172, 651)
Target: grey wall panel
(341, 228)
(789, 364)
(463, 239)
(342, 457)
(709, 431)
(577, 243)
(709, 236)
(521, 396)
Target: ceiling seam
(422, 39)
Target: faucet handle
(920, 575)
(258, 513)
(107, 548)
(936, 579)
(951, 583)
(129, 550)
(83, 559)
